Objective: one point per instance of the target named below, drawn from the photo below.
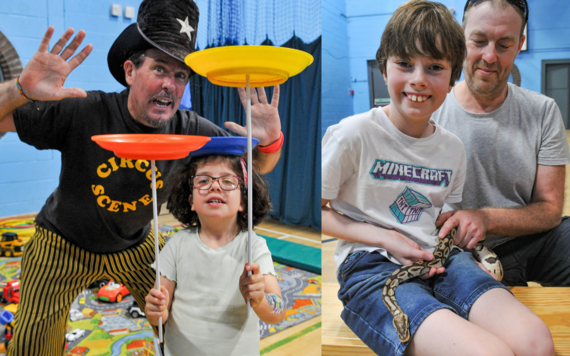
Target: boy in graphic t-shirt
(386, 176)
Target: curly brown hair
(182, 188)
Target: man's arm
(44, 75)
(542, 214)
(265, 162)
(266, 125)
(10, 99)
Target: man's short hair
(429, 23)
(497, 4)
(137, 58)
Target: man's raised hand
(46, 72)
(265, 121)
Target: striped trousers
(54, 272)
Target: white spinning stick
(156, 249)
(249, 179)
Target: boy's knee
(493, 347)
(536, 340)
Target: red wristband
(21, 91)
(272, 148)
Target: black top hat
(168, 25)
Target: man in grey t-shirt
(516, 151)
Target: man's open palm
(46, 72)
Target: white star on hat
(186, 28)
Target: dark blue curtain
(295, 183)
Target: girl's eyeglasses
(204, 182)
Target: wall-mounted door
(556, 84)
(378, 90)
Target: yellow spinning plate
(266, 65)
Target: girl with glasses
(204, 282)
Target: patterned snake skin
(401, 322)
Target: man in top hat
(96, 224)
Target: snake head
(402, 326)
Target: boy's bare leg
(498, 325)
(500, 313)
(444, 333)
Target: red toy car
(11, 291)
(112, 292)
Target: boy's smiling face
(417, 86)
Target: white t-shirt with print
(373, 172)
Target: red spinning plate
(150, 146)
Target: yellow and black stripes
(54, 271)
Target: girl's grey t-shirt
(504, 148)
(208, 314)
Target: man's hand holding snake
(471, 230)
(471, 226)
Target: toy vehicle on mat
(75, 314)
(112, 292)
(11, 245)
(74, 335)
(7, 319)
(136, 311)
(11, 292)
(98, 284)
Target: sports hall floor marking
(290, 338)
(284, 236)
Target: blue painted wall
(29, 175)
(549, 38)
(548, 32)
(336, 101)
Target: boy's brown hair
(429, 23)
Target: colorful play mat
(301, 291)
(110, 328)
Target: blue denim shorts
(362, 277)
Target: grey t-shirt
(504, 148)
(208, 314)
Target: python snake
(401, 322)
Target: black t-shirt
(103, 203)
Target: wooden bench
(552, 305)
